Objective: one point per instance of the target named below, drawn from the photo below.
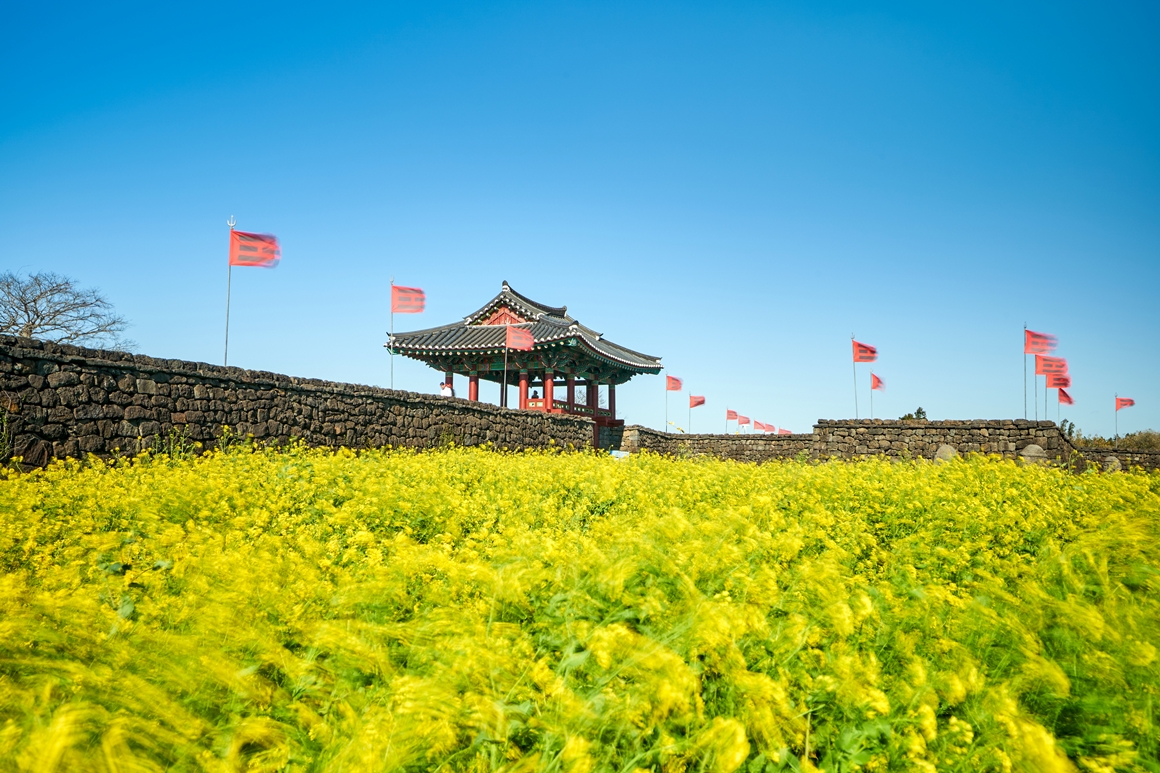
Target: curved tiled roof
(548, 324)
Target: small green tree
(918, 415)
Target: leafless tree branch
(52, 308)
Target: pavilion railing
(561, 406)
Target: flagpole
(871, 395)
(1024, 371)
(1117, 417)
(229, 284)
(690, 416)
(854, 366)
(503, 389)
(666, 404)
(392, 350)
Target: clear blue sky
(733, 187)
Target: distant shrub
(1144, 440)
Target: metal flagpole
(392, 332)
(1045, 391)
(871, 396)
(503, 389)
(229, 282)
(690, 429)
(667, 403)
(1117, 417)
(1024, 371)
(1035, 394)
(854, 365)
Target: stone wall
(742, 448)
(896, 438)
(63, 401)
(60, 401)
(852, 438)
(1117, 459)
(1009, 438)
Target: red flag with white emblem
(695, 400)
(672, 384)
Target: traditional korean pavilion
(563, 351)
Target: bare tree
(52, 308)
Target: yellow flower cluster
(469, 610)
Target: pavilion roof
(550, 326)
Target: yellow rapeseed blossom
(469, 610)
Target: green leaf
(127, 608)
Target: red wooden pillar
(592, 397)
(473, 388)
(612, 399)
(523, 390)
(549, 390)
(450, 379)
(571, 394)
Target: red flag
(407, 300)
(519, 338)
(248, 249)
(877, 383)
(742, 420)
(1045, 365)
(730, 415)
(1124, 402)
(1038, 343)
(1058, 381)
(1065, 398)
(672, 384)
(864, 352)
(695, 400)
(757, 425)
(784, 431)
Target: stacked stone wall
(897, 438)
(742, 448)
(1038, 441)
(1117, 459)
(64, 401)
(61, 401)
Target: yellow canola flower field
(468, 610)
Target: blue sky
(733, 187)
